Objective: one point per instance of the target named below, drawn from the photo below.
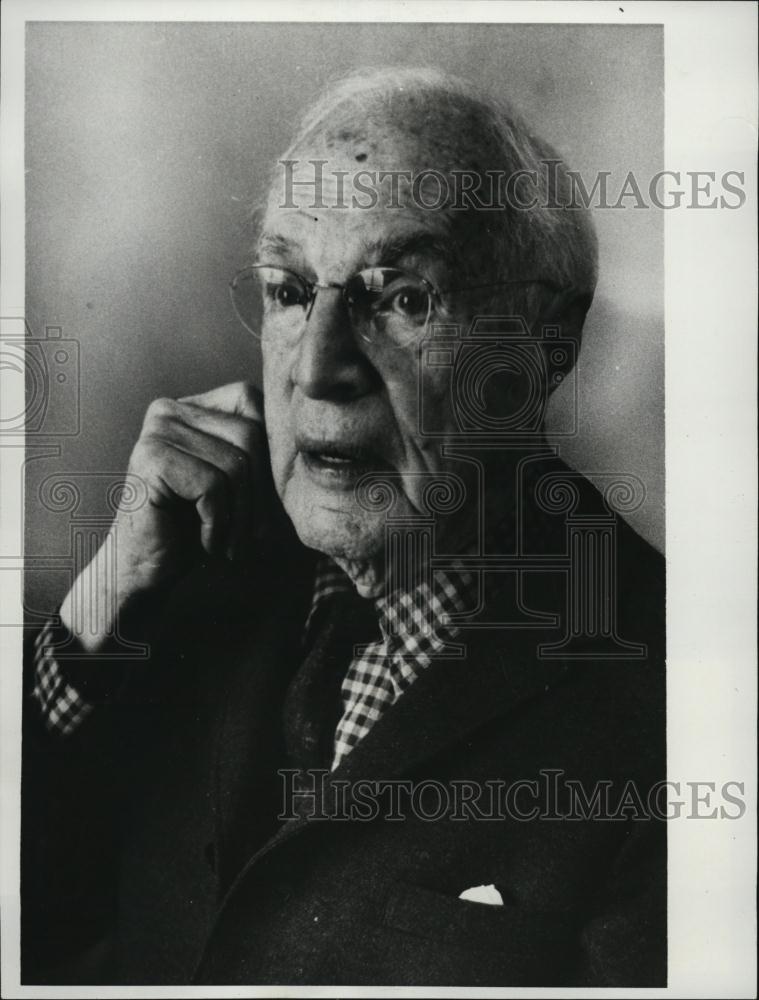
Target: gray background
(146, 143)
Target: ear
(566, 310)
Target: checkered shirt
(417, 625)
(63, 708)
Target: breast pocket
(478, 943)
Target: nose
(328, 363)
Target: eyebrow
(385, 251)
(392, 249)
(276, 243)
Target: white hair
(550, 241)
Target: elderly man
(401, 714)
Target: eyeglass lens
(383, 303)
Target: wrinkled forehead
(402, 133)
(359, 169)
(368, 168)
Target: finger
(245, 433)
(214, 525)
(231, 459)
(241, 398)
(173, 474)
(243, 470)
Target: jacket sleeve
(75, 779)
(68, 819)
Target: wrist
(97, 598)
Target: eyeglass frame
(435, 293)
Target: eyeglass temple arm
(548, 282)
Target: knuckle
(160, 408)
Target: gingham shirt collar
(410, 620)
(417, 626)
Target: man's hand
(203, 462)
(205, 453)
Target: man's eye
(283, 295)
(410, 303)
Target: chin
(338, 527)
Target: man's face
(336, 405)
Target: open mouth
(339, 464)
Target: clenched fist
(204, 465)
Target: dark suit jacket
(152, 851)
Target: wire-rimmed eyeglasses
(384, 304)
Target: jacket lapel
(264, 649)
(449, 701)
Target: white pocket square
(483, 894)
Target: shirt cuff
(63, 707)
(69, 687)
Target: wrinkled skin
(330, 389)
